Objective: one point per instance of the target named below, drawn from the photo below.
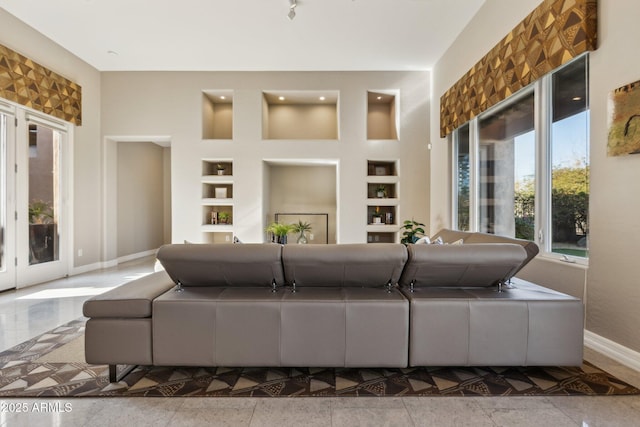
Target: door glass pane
(3, 189)
(507, 170)
(44, 152)
(570, 160)
(462, 177)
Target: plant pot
(220, 171)
(302, 239)
(380, 194)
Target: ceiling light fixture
(322, 98)
(292, 9)
(281, 98)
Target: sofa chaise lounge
(344, 305)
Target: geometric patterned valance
(554, 33)
(35, 86)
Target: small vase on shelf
(302, 239)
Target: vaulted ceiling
(250, 35)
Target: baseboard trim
(613, 350)
(86, 268)
(132, 257)
(111, 263)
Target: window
(570, 161)
(521, 169)
(506, 156)
(462, 179)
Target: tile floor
(29, 312)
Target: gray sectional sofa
(344, 305)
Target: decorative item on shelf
(220, 168)
(381, 191)
(381, 170)
(220, 192)
(301, 228)
(413, 230)
(224, 217)
(377, 216)
(388, 218)
(278, 232)
(214, 217)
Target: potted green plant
(224, 217)
(279, 232)
(40, 212)
(381, 191)
(412, 231)
(301, 228)
(220, 168)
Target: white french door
(34, 180)
(7, 199)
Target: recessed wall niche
(300, 115)
(217, 114)
(382, 115)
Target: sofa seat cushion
(525, 326)
(244, 326)
(345, 327)
(223, 265)
(130, 300)
(465, 265)
(216, 326)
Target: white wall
(87, 208)
(170, 104)
(612, 293)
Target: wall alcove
(305, 186)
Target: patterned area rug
(30, 370)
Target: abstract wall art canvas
(624, 120)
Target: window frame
(543, 122)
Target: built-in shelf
(380, 168)
(381, 215)
(217, 114)
(382, 115)
(219, 236)
(382, 190)
(383, 201)
(219, 168)
(381, 237)
(219, 215)
(300, 115)
(217, 200)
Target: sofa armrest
(130, 300)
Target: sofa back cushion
(467, 265)
(359, 264)
(449, 236)
(223, 265)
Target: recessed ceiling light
(222, 97)
(281, 98)
(322, 98)
(379, 97)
